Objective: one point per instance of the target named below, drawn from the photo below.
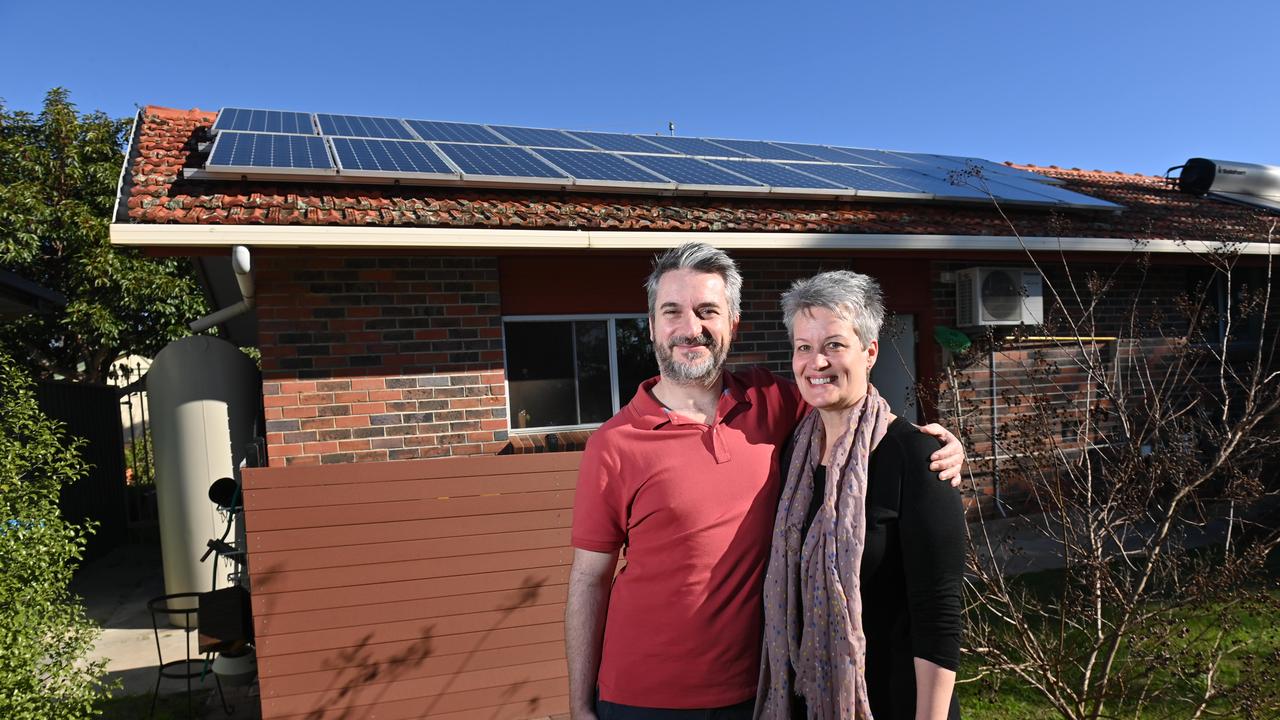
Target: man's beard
(701, 372)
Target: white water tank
(203, 399)
(1243, 183)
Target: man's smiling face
(691, 328)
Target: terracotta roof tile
(167, 139)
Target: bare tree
(1142, 431)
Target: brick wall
(380, 358)
(762, 337)
(1123, 299)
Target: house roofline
(295, 236)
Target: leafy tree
(58, 175)
(46, 637)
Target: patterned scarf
(820, 633)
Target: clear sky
(1132, 85)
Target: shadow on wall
(358, 667)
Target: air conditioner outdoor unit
(999, 296)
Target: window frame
(615, 391)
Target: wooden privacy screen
(412, 589)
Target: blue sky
(1132, 85)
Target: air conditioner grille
(1001, 297)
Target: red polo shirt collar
(649, 414)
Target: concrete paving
(115, 589)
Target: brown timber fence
(412, 589)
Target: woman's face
(830, 364)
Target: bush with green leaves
(58, 174)
(45, 636)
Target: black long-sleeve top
(912, 567)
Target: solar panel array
(277, 143)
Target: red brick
(350, 421)
(283, 450)
(320, 448)
(368, 408)
(351, 396)
(297, 387)
(316, 423)
(368, 383)
(315, 398)
(275, 401)
(301, 412)
(345, 445)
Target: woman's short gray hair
(850, 296)
(700, 257)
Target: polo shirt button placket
(720, 449)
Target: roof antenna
(671, 127)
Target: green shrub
(45, 636)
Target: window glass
(635, 356)
(540, 374)
(595, 391)
(559, 371)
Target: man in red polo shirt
(687, 478)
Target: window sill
(543, 441)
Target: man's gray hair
(699, 257)
(850, 296)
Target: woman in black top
(862, 595)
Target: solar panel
(689, 171)
(454, 132)
(925, 183)
(274, 142)
(874, 157)
(594, 165)
(820, 152)
(363, 126)
(619, 142)
(498, 161)
(991, 168)
(774, 174)
(536, 137)
(855, 178)
(395, 157)
(245, 151)
(694, 146)
(1013, 188)
(274, 121)
(761, 149)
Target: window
(1239, 298)
(1235, 296)
(576, 370)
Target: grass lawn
(1016, 701)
